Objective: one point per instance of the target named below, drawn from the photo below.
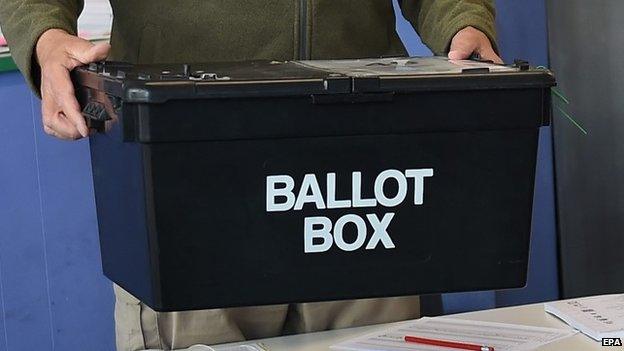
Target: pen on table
(449, 344)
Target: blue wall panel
(26, 316)
(82, 298)
(408, 35)
(55, 296)
(3, 332)
(522, 30)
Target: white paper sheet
(402, 66)
(244, 347)
(502, 337)
(597, 316)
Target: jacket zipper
(303, 30)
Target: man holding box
(44, 46)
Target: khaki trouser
(139, 327)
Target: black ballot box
(263, 182)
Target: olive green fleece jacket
(153, 31)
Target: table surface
(533, 315)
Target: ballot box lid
(288, 99)
(158, 83)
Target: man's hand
(470, 41)
(58, 53)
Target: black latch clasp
(95, 115)
(523, 65)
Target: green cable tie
(571, 120)
(560, 95)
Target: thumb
(461, 51)
(98, 52)
(86, 52)
(487, 53)
(461, 47)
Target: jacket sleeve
(23, 22)
(437, 21)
